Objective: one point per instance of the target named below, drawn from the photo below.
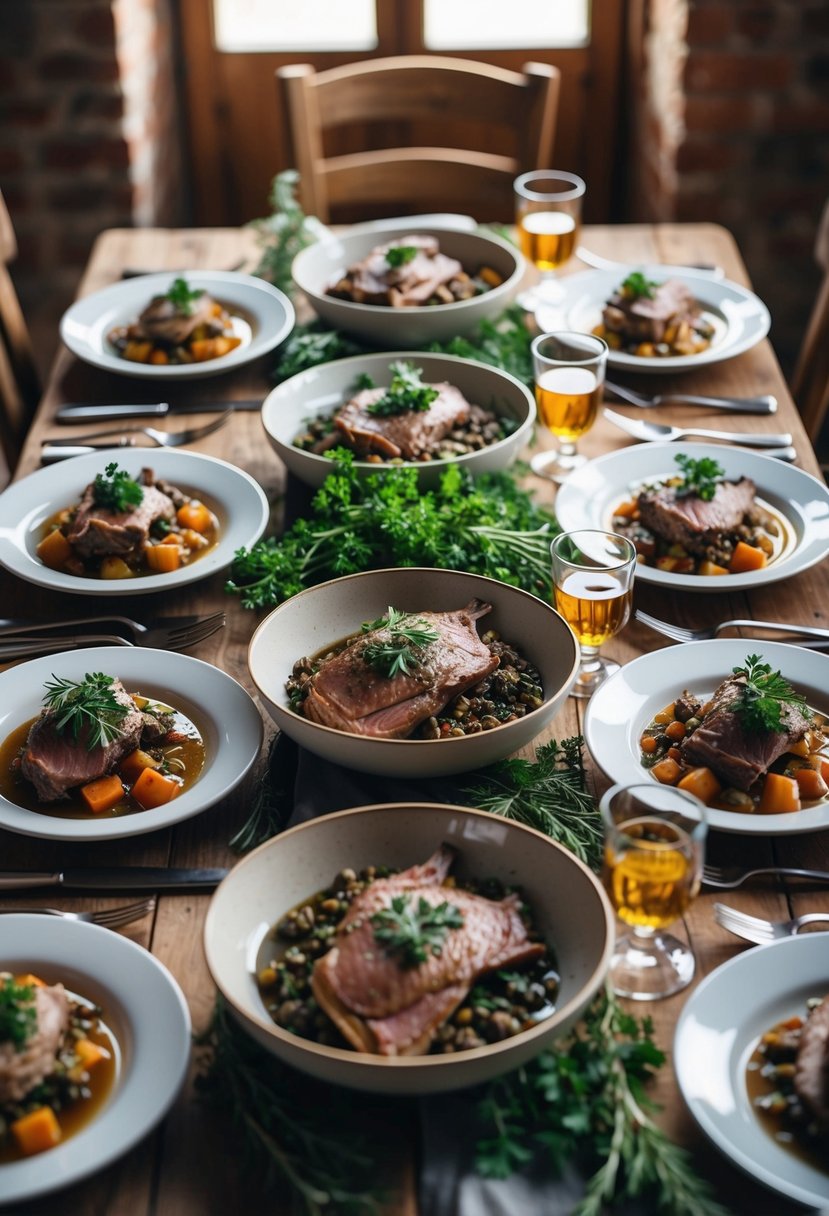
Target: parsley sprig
(639, 287)
(18, 1013)
(400, 255)
(183, 297)
(406, 392)
(115, 490)
(400, 651)
(412, 931)
(700, 477)
(89, 704)
(762, 697)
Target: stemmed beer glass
(548, 216)
(569, 371)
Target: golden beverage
(594, 603)
(651, 878)
(568, 400)
(547, 238)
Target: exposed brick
(709, 24)
(726, 72)
(70, 67)
(723, 114)
(84, 153)
(83, 196)
(97, 105)
(758, 22)
(801, 117)
(707, 155)
(26, 113)
(96, 26)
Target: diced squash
(675, 730)
(491, 277)
(54, 550)
(628, 509)
(709, 568)
(746, 557)
(667, 771)
(212, 348)
(195, 515)
(89, 1054)
(153, 789)
(800, 748)
(194, 540)
(702, 783)
(172, 538)
(134, 764)
(780, 795)
(104, 794)
(159, 357)
(823, 769)
(667, 563)
(114, 567)
(666, 715)
(163, 558)
(28, 980)
(810, 784)
(138, 352)
(37, 1131)
(648, 744)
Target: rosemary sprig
(760, 702)
(700, 477)
(399, 652)
(400, 255)
(639, 287)
(90, 703)
(183, 297)
(115, 490)
(407, 392)
(18, 1014)
(283, 233)
(411, 932)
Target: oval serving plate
(588, 498)
(226, 716)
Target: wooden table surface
(187, 1167)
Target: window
(454, 25)
(288, 25)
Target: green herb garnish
(283, 233)
(639, 287)
(115, 490)
(406, 392)
(762, 697)
(90, 703)
(412, 932)
(363, 381)
(399, 653)
(401, 255)
(183, 297)
(700, 477)
(18, 1013)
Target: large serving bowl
(290, 407)
(569, 907)
(319, 265)
(315, 619)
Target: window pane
(465, 25)
(295, 25)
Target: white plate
(227, 717)
(146, 1010)
(622, 707)
(717, 1032)
(26, 506)
(265, 316)
(739, 317)
(588, 498)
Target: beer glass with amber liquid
(548, 218)
(654, 843)
(569, 371)
(593, 583)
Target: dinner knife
(125, 878)
(159, 409)
(764, 404)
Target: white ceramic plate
(622, 707)
(588, 498)
(26, 505)
(718, 1029)
(148, 1014)
(320, 390)
(739, 317)
(227, 717)
(263, 317)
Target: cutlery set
(810, 635)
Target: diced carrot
(195, 515)
(89, 1054)
(37, 1131)
(627, 510)
(134, 764)
(667, 563)
(153, 789)
(675, 730)
(665, 715)
(54, 550)
(709, 568)
(674, 753)
(667, 771)
(29, 981)
(702, 783)
(114, 567)
(104, 794)
(159, 357)
(491, 277)
(163, 559)
(172, 538)
(746, 557)
(212, 348)
(810, 784)
(823, 769)
(648, 744)
(780, 795)
(138, 352)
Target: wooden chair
(419, 94)
(19, 380)
(810, 382)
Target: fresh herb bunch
(18, 1013)
(761, 699)
(503, 342)
(488, 526)
(400, 255)
(312, 345)
(115, 490)
(700, 477)
(363, 381)
(412, 932)
(183, 297)
(639, 287)
(284, 233)
(90, 703)
(407, 392)
(400, 653)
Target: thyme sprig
(18, 1013)
(406, 393)
(116, 490)
(411, 932)
(89, 703)
(760, 701)
(399, 653)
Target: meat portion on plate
(410, 272)
(23, 1066)
(811, 1071)
(407, 434)
(98, 531)
(651, 319)
(685, 519)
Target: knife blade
(159, 409)
(125, 878)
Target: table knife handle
(743, 405)
(105, 413)
(12, 881)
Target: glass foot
(647, 969)
(589, 679)
(556, 465)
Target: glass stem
(590, 661)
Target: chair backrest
(493, 107)
(810, 382)
(19, 380)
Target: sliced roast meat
(686, 706)
(54, 762)
(735, 755)
(645, 318)
(163, 321)
(374, 281)
(21, 1070)
(100, 532)
(688, 520)
(408, 434)
(348, 694)
(811, 1072)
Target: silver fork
(765, 404)
(110, 918)
(21, 641)
(755, 929)
(163, 439)
(728, 877)
(658, 432)
(678, 633)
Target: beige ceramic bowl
(319, 390)
(316, 267)
(569, 905)
(323, 615)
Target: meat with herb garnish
(408, 272)
(32, 1025)
(650, 319)
(405, 420)
(116, 512)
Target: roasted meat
(688, 520)
(645, 318)
(811, 1073)
(375, 281)
(408, 434)
(165, 321)
(736, 755)
(21, 1070)
(382, 1007)
(99, 531)
(348, 693)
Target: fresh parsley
(761, 699)
(183, 297)
(89, 704)
(399, 652)
(401, 255)
(638, 287)
(412, 931)
(18, 1013)
(700, 477)
(115, 490)
(406, 392)
(363, 381)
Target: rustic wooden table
(188, 1167)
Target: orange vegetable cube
(811, 785)
(37, 1131)
(780, 795)
(746, 557)
(702, 783)
(648, 744)
(675, 731)
(89, 1054)
(104, 794)
(709, 568)
(134, 764)
(163, 559)
(195, 515)
(29, 981)
(54, 550)
(153, 789)
(667, 771)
